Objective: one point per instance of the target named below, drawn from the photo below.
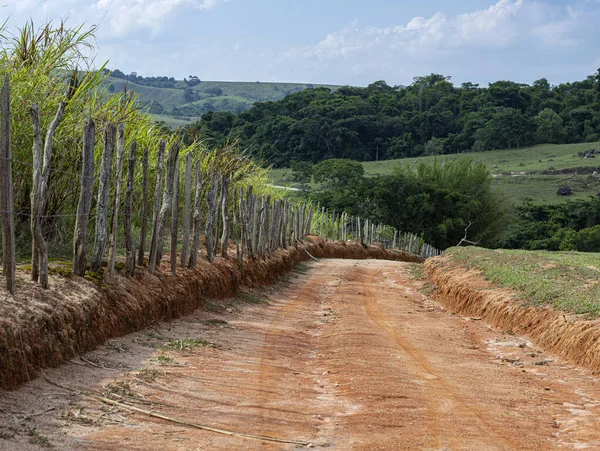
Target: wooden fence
(224, 213)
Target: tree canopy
(431, 116)
(438, 200)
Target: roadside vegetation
(564, 280)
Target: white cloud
(494, 26)
(127, 16)
(118, 18)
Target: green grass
(187, 344)
(246, 297)
(519, 174)
(568, 281)
(174, 121)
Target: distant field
(564, 280)
(174, 122)
(211, 96)
(518, 173)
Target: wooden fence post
(114, 232)
(175, 219)
(129, 246)
(167, 201)
(187, 194)
(210, 219)
(6, 193)
(156, 208)
(283, 225)
(197, 217)
(243, 227)
(264, 227)
(38, 245)
(225, 211)
(41, 178)
(110, 134)
(247, 217)
(144, 225)
(85, 199)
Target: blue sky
(334, 41)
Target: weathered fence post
(85, 199)
(144, 225)
(38, 245)
(225, 211)
(187, 194)
(167, 201)
(243, 227)
(175, 219)
(110, 134)
(6, 193)
(197, 217)
(156, 208)
(247, 217)
(265, 226)
(114, 232)
(129, 246)
(41, 178)
(210, 219)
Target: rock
(564, 191)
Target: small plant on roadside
(251, 299)
(120, 388)
(38, 439)
(416, 270)
(212, 306)
(147, 374)
(163, 360)
(301, 268)
(6, 436)
(187, 344)
(216, 323)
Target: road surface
(351, 355)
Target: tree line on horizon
(429, 117)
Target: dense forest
(429, 117)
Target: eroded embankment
(467, 292)
(44, 328)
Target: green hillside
(180, 103)
(528, 174)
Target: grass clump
(246, 297)
(38, 439)
(147, 374)
(163, 360)
(215, 323)
(568, 281)
(188, 344)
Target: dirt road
(351, 355)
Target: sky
(344, 42)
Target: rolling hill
(181, 103)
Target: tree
(337, 173)
(549, 127)
(302, 172)
(190, 95)
(435, 146)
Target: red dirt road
(351, 356)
